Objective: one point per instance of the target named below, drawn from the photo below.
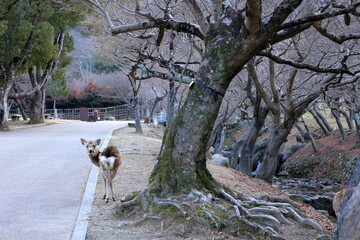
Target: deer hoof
(107, 200)
(114, 199)
(104, 196)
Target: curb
(81, 224)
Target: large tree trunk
(4, 113)
(247, 150)
(36, 106)
(5, 87)
(181, 165)
(270, 162)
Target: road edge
(81, 223)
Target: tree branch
(198, 14)
(259, 87)
(253, 16)
(319, 17)
(304, 65)
(338, 39)
(168, 23)
(280, 14)
(147, 73)
(160, 23)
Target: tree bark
(323, 119)
(319, 122)
(348, 120)
(170, 104)
(247, 150)
(302, 132)
(335, 113)
(4, 113)
(138, 128)
(22, 111)
(36, 106)
(313, 143)
(181, 165)
(5, 87)
(357, 125)
(270, 161)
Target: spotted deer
(108, 161)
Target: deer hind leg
(106, 177)
(111, 188)
(105, 183)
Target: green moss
(211, 217)
(243, 229)
(262, 31)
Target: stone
(296, 147)
(283, 174)
(219, 159)
(296, 197)
(325, 213)
(322, 203)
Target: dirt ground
(138, 154)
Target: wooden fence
(121, 112)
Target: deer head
(91, 146)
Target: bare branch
(319, 17)
(168, 23)
(160, 23)
(280, 13)
(300, 65)
(273, 88)
(260, 89)
(338, 39)
(147, 73)
(198, 14)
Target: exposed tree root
(241, 215)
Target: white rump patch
(107, 163)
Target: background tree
(32, 42)
(57, 87)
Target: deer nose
(90, 151)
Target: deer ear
(97, 142)
(83, 141)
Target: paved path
(43, 172)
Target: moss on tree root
(221, 210)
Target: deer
(108, 161)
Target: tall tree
(32, 41)
(57, 87)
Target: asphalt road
(43, 173)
